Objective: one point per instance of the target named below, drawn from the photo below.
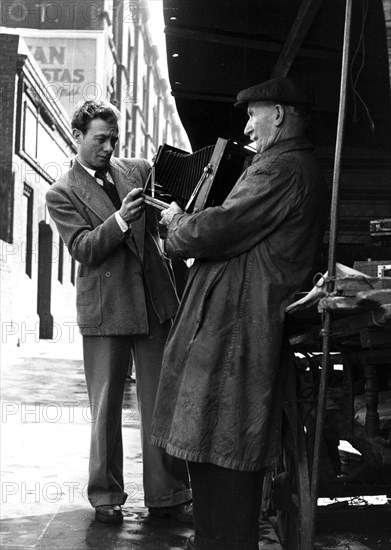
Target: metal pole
(309, 544)
(339, 140)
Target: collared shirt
(121, 222)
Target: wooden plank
(380, 317)
(203, 97)
(374, 298)
(296, 36)
(350, 286)
(235, 40)
(346, 304)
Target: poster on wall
(69, 65)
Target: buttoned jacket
(115, 269)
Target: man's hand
(133, 206)
(169, 213)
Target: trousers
(106, 362)
(226, 507)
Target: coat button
(108, 274)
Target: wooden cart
(359, 360)
(349, 326)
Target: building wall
(8, 84)
(64, 53)
(39, 147)
(8, 65)
(101, 48)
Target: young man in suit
(125, 302)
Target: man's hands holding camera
(133, 206)
(169, 213)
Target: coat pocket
(88, 301)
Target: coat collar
(283, 146)
(95, 198)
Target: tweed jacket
(115, 268)
(220, 394)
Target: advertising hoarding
(69, 65)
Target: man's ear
(77, 134)
(279, 114)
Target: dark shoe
(109, 513)
(190, 543)
(181, 512)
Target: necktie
(110, 189)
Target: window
(130, 58)
(60, 259)
(144, 107)
(155, 131)
(128, 136)
(73, 271)
(28, 193)
(30, 131)
(41, 145)
(115, 21)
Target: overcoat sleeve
(257, 205)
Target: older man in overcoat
(125, 303)
(219, 401)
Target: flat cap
(281, 90)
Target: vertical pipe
(339, 140)
(309, 543)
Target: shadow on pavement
(77, 529)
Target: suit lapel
(90, 192)
(96, 199)
(126, 178)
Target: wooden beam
(227, 39)
(203, 96)
(190, 33)
(296, 36)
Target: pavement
(45, 432)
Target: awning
(217, 47)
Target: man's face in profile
(260, 125)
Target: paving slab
(45, 434)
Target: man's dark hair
(92, 109)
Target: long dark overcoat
(219, 399)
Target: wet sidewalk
(45, 433)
